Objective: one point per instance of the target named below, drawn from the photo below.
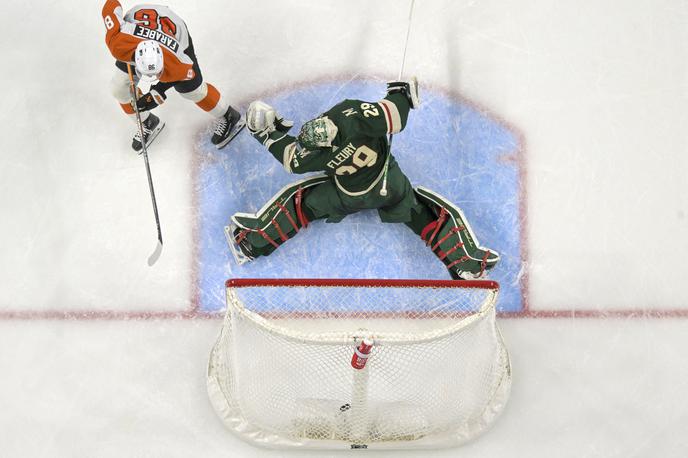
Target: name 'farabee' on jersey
(156, 41)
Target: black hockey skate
(151, 128)
(227, 127)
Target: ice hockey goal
(359, 363)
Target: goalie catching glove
(262, 119)
(408, 89)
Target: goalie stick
(158, 249)
(383, 190)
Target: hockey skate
(227, 127)
(241, 249)
(151, 128)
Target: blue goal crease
(448, 146)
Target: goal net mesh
(281, 374)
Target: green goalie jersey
(358, 148)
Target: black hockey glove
(408, 89)
(150, 100)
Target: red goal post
(359, 363)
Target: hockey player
(156, 41)
(349, 143)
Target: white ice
(596, 89)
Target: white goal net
(359, 363)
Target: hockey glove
(150, 100)
(261, 119)
(408, 89)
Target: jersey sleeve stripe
(392, 116)
(288, 156)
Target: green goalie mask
(317, 133)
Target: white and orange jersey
(149, 22)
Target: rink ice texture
(448, 146)
(102, 356)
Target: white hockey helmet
(149, 61)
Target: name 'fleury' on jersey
(359, 150)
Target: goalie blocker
(441, 225)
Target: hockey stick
(383, 190)
(158, 249)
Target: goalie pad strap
(276, 225)
(440, 221)
(268, 238)
(443, 255)
(483, 264)
(461, 259)
(286, 213)
(453, 230)
(242, 235)
(426, 229)
(298, 201)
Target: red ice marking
(107, 315)
(598, 313)
(194, 314)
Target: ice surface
(591, 94)
(449, 147)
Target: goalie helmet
(317, 133)
(149, 61)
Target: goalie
(349, 144)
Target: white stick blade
(152, 259)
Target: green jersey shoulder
(359, 147)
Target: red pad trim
(388, 116)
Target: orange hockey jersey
(149, 22)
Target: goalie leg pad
(259, 234)
(452, 240)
